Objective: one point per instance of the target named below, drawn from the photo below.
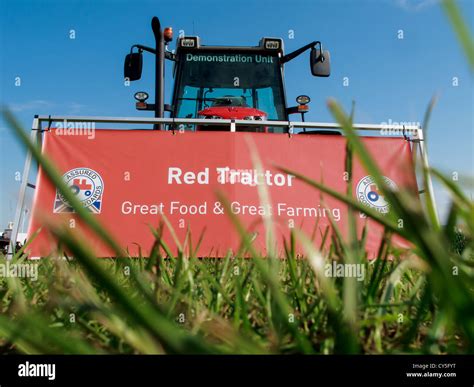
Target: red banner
(129, 178)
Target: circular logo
(87, 185)
(369, 194)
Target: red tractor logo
(79, 185)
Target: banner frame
(37, 133)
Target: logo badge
(369, 194)
(88, 187)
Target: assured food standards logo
(369, 194)
(88, 187)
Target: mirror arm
(143, 48)
(299, 51)
(292, 110)
(168, 54)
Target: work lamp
(141, 96)
(303, 99)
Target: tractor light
(141, 96)
(188, 42)
(254, 118)
(141, 105)
(168, 34)
(303, 99)
(303, 108)
(272, 44)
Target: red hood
(228, 112)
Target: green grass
(417, 301)
(234, 305)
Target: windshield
(213, 79)
(230, 100)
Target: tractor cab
(242, 83)
(223, 82)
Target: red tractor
(220, 82)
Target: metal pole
(426, 166)
(21, 195)
(22, 229)
(414, 148)
(159, 70)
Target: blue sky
(389, 78)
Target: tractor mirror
(132, 68)
(320, 63)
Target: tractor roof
(266, 44)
